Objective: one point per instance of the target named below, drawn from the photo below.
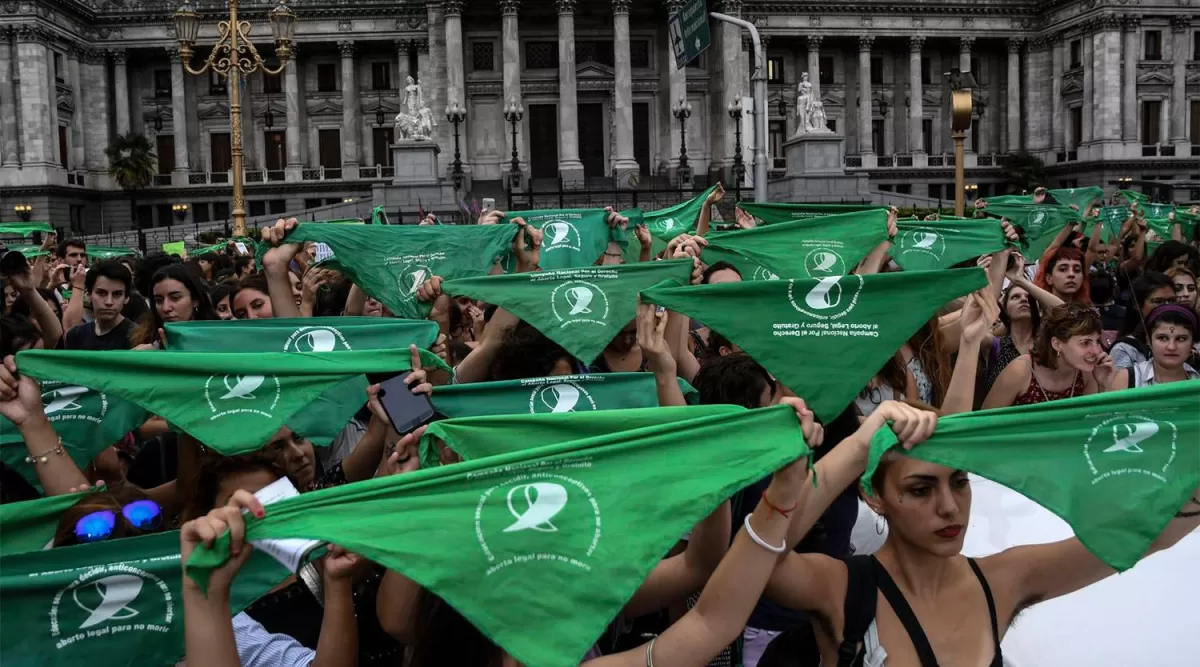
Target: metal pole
(235, 123)
(959, 173)
(759, 79)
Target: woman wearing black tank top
(933, 605)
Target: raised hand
(492, 217)
(527, 258)
(341, 565)
(20, 395)
(978, 314)
(643, 236)
(651, 329)
(208, 528)
(404, 456)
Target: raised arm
(674, 578)
(73, 313)
(704, 220)
(21, 403)
(276, 264)
(43, 314)
(651, 336)
(978, 314)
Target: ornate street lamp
(513, 113)
(180, 211)
(739, 166)
(233, 57)
(380, 119)
(23, 211)
(682, 110)
(456, 113)
(961, 84)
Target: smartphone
(13, 263)
(489, 204)
(404, 409)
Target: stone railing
(257, 176)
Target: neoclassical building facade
(1098, 89)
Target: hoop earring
(880, 524)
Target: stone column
(677, 85)
(77, 151)
(814, 65)
(965, 45)
(10, 151)
(454, 53)
(439, 96)
(403, 46)
(1107, 117)
(1013, 102)
(916, 102)
(569, 166)
(1089, 84)
(624, 163)
(1129, 102)
(732, 66)
(511, 37)
(1057, 116)
(120, 91)
(350, 109)
(864, 96)
(93, 65)
(1180, 46)
(292, 97)
(38, 136)
(179, 111)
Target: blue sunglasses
(143, 515)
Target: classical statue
(415, 121)
(810, 113)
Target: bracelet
(45, 457)
(650, 652)
(785, 513)
(761, 542)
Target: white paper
(289, 552)
(323, 251)
(241, 248)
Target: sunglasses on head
(144, 515)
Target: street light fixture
(233, 57)
(682, 110)
(961, 84)
(513, 113)
(23, 211)
(180, 211)
(972, 191)
(380, 119)
(739, 166)
(456, 114)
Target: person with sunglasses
(123, 511)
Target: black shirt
(83, 337)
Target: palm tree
(1024, 171)
(131, 161)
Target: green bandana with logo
(479, 437)
(541, 534)
(30, 525)
(326, 416)
(1040, 222)
(769, 214)
(88, 421)
(389, 262)
(827, 246)
(554, 394)
(928, 246)
(823, 339)
(105, 252)
(232, 402)
(116, 603)
(1116, 465)
(580, 309)
(1111, 219)
(571, 237)
(665, 224)
(25, 228)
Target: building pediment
(324, 107)
(1158, 75)
(213, 110)
(593, 70)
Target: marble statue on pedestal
(810, 113)
(415, 121)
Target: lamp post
(456, 113)
(972, 191)
(158, 117)
(233, 57)
(23, 211)
(961, 84)
(180, 211)
(739, 166)
(513, 113)
(682, 110)
(380, 118)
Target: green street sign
(689, 33)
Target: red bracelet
(785, 513)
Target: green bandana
(108, 604)
(926, 246)
(667, 223)
(814, 248)
(1040, 222)
(379, 216)
(25, 228)
(1116, 465)
(1133, 196)
(478, 437)
(87, 420)
(105, 252)
(1081, 197)
(232, 402)
(1112, 218)
(174, 248)
(326, 417)
(580, 309)
(571, 238)
(30, 251)
(554, 394)
(769, 214)
(558, 536)
(823, 339)
(30, 525)
(389, 262)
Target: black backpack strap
(1132, 378)
(858, 609)
(905, 613)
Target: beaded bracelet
(45, 457)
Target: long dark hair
(444, 637)
(202, 309)
(1168, 252)
(1035, 310)
(1142, 287)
